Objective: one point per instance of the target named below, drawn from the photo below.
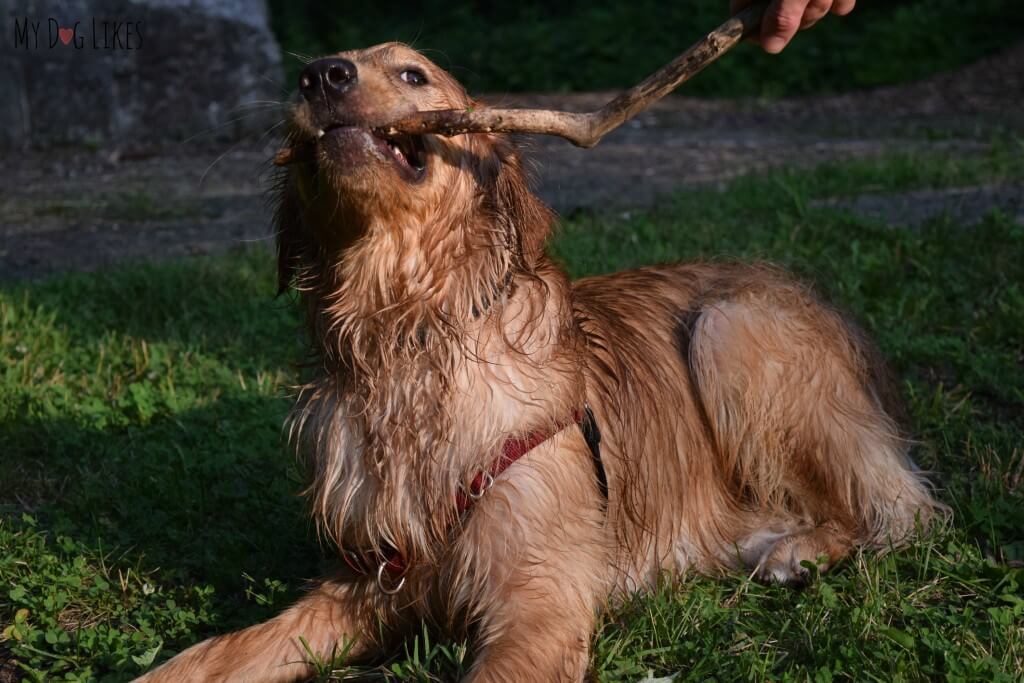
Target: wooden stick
(581, 129)
(587, 129)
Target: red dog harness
(391, 562)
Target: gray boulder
(135, 72)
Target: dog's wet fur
(745, 424)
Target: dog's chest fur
(390, 438)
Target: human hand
(784, 18)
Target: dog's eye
(413, 77)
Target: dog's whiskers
(235, 146)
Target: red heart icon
(66, 34)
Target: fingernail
(773, 45)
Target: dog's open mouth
(408, 152)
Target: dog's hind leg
(801, 439)
(780, 553)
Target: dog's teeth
(320, 133)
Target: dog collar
(390, 565)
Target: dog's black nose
(327, 78)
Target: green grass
(147, 499)
(537, 45)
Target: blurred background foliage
(571, 45)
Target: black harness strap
(592, 435)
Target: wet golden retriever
(500, 452)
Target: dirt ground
(71, 209)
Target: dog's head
(398, 245)
(418, 193)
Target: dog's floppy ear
(527, 220)
(290, 234)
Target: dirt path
(76, 210)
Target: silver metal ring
(380, 580)
(488, 483)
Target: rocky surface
(103, 72)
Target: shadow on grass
(141, 414)
(205, 495)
